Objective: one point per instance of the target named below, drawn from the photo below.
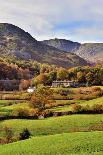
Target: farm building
(64, 84)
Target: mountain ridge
(16, 43)
(63, 44)
(92, 52)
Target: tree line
(27, 72)
(86, 76)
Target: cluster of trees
(45, 74)
(13, 77)
(83, 75)
(12, 71)
(18, 73)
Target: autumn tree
(40, 79)
(41, 97)
(62, 74)
(81, 77)
(24, 84)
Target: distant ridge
(63, 44)
(89, 51)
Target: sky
(76, 20)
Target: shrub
(97, 108)
(25, 134)
(34, 113)
(76, 108)
(64, 92)
(98, 127)
(21, 112)
(95, 89)
(8, 134)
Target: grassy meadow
(79, 143)
(54, 125)
(73, 134)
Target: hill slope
(82, 143)
(18, 44)
(63, 44)
(89, 51)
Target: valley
(51, 95)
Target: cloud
(76, 19)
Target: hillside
(18, 44)
(63, 44)
(83, 143)
(89, 51)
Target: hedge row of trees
(46, 74)
(84, 75)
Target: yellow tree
(41, 97)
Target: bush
(25, 134)
(8, 134)
(34, 113)
(64, 92)
(21, 112)
(87, 93)
(97, 108)
(77, 108)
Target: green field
(82, 143)
(68, 104)
(76, 134)
(54, 125)
(60, 105)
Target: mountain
(18, 44)
(63, 44)
(92, 52)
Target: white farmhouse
(31, 89)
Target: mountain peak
(63, 44)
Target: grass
(61, 108)
(53, 125)
(100, 87)
(61, 88)
(98, 100)
(83, 143)
(7, 106)
(7, 102)
(68, 104)
(65, 135)
(15, 106)
(60, 105)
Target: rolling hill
(79, 143)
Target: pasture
(54, 125)
(74, 134)
(79, 143)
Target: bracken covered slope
(18, 44)
(89, 51)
